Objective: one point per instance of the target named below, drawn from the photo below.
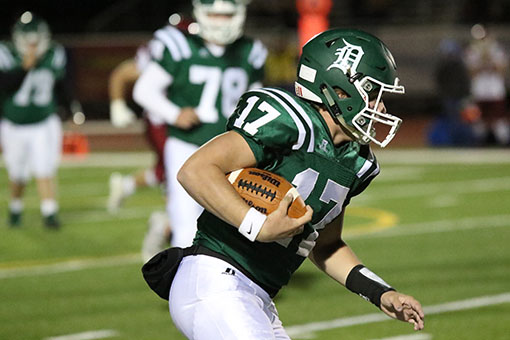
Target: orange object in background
(75, 143)
(313, 18)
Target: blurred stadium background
(99, 35)
(435, 224)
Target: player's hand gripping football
(279, 225)
(404, 308)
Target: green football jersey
(290, 138)
(211, 84)
(35, 99)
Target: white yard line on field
(401, 173)
(95, 216)
(70, 266)
(90, 335)
(444, 156)
(415, 156)
(430, 227)
(306, 331)
(109, 160)
(105, 160)
(493, 184)
(419, 336)
(441, 226)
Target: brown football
(263, 190)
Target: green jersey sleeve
(8, 60)
(266, 124)
(257, 59)
(367, 170)
(58, 61)
(169, 47)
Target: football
(263, 190)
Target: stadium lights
(193, 28)
(26, 17)
(175, 19)
(478, 31)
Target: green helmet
(362, 67)
(220, 21)
(29, 30)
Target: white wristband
(252, 223)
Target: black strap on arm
(366, 284)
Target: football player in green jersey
(32, 73)
(317, 139)
(193, 82)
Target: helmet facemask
(362, 68)
(220, 21)
(371, 91)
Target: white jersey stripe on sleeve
(6, 59)
(255, 85)
(375, 172)
(303, 115)
(164, 36)
(3, 62)
(366, 166)
(369, 163)
(59, 58)
(297, 121)
(180, 39)
(258, 54)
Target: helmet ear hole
(330, 42)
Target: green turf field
(435, 225)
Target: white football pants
(183, 211)
(212, 300)
(31, 149)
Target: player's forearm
(121, 77)
(207, 184)
(150, 93)
(336, 260)
(203, 176)
(157, 104)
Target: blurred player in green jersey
(318, 139)
(32, 75)
(193, 83)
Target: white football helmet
(31, 30)
(220, 21)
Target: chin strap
(337, 116)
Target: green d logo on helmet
(220, 21)
(362, 67)
(30, 30)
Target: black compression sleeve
(366, 284)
